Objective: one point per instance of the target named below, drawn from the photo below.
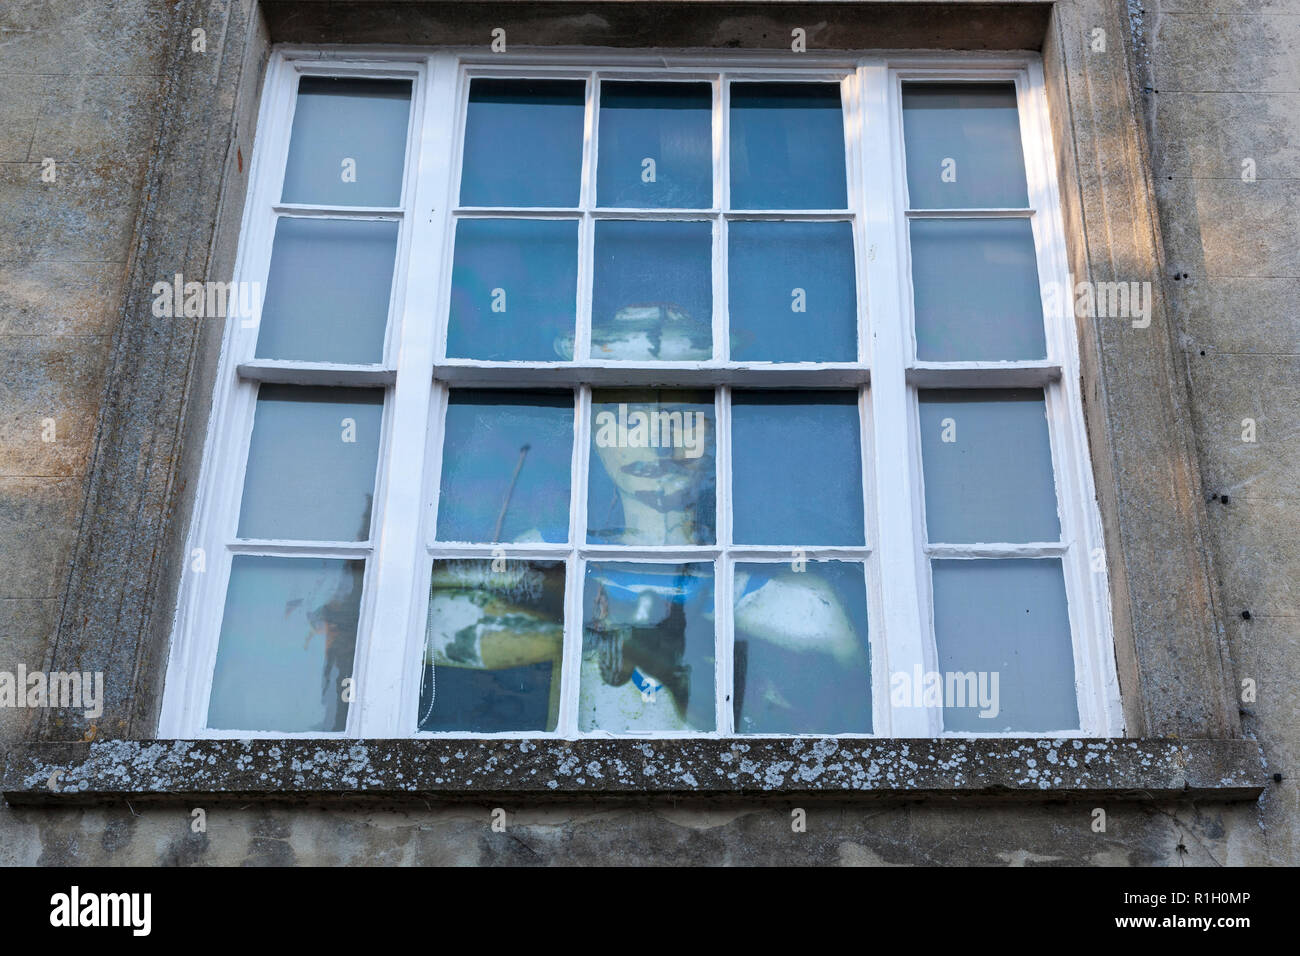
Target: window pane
(653, 296)
(327, 291)
(792, 295)
(647, 648)
(652, 477)
(311, 463)
(492, 646)
(797, 468)
(523, 143)
(1003, 632)
(288, 637)
(802, 663)
(348, 144)
(514, 289)
(976, 288)
(963, 146)
(656, 145)
(506, 458)
(787, 146)
(987, 462)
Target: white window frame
(400, 552)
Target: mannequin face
(667, 477)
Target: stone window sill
(56, 774)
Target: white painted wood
(905, 644)
(314, 373)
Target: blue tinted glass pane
(506, 459)
(514, 289)
(656, 145)
(348, 144)
(523, 143)
(288, 637)
(653, 297)
(802, 659)
(327, 291)
(493, 644)
(647, 648)
(976, 288)
(652, 478)
(792, 295)
(787, 146)
(976, 488)
(963, 146)
(1003, 632)
(797, 468)
(311, 463)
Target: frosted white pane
(652, 467)
(992, 481)
(327, 291)
(311, 464)
(656, 145)
(796, 468)
(523, 143)
(802, 663)
(976, 290)
(787, 146)
(963, 146)
(514, 289)
(288, 637)
(653, 295)
(648, 654)
(348, 144)
(792, 292)
(493, 643)
(506, 459)
(1004, 622)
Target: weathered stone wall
(1223, 110)
(84, 83)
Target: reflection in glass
(647, 648)
(963, 146)
(797, 468)
(792, 295)
(288, 637)
(327, 290)
(787, 146)
(992, 482)
(523, 143)
(506, 459)
(348, 144)
(1005, 623)
(976, 288)
(311, 463)
(653, 297)
(652, 468)
(802, 663)
(493, 646)
(514, 288)
(656, 145)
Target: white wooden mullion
(575, 568)
(724, 568)
(906, 646)
(382, 651)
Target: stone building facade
(124, 156)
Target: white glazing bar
(382, 656)
(907, 647)
(724, 628)
(587, 226)
(575, 569)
